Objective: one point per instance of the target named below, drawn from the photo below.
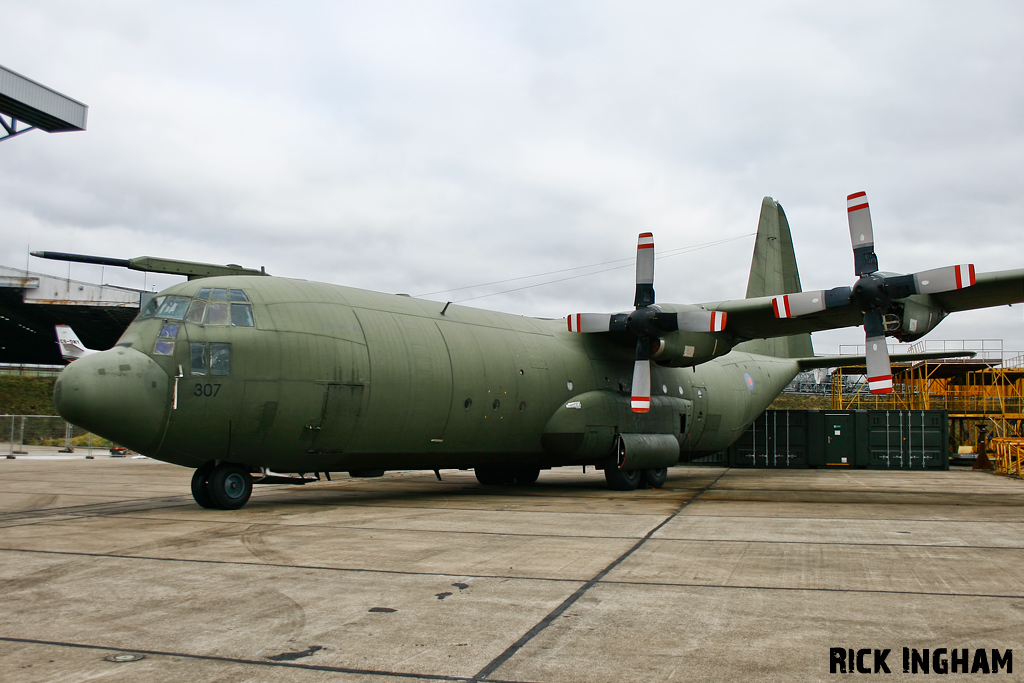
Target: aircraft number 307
(207, 390)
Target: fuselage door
(410, 387)
(343, 404)
(696, 420)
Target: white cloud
(409, 146)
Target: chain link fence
(21, 433)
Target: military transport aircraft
(243, 376)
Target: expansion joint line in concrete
(239, 660)
(581, 591)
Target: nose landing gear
(223, 486)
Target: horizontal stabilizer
(852, 361)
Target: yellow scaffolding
(1007, 455)
(987, 389)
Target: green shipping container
(877, 439)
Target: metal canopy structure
(23, 101)
(32, 303)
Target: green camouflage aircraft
(243, 376)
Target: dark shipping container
(876, 439)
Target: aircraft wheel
(622, 480)
(656, 478)
(201, 486)
(489, 475)
(230, 486)
(527, 475)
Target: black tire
(201, 486)
(230, 486)
(656, 478)
(489, 475)
(527, 475)
(622, 480)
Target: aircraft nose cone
(120, 394)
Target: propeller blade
(644, 270)
(878, 368)
(590, 322)
(944, 279)
(641, 399)
(799, 303)
(865, 261)
(701, 321)
(597, 322)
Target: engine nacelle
(911, 318)
(685, 349)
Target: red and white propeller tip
(945, 279)
(878, 368)
(859, 214)
(641, 398)
(589, 322)
(798, 303)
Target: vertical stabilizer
(773, 271)
(71, 347)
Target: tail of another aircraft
(773, 271)
(71, 347)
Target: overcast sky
(421, 146)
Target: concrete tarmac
(110, 572)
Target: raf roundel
(749, 380)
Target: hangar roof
(39, 106)
(32, 303)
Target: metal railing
(1007, 455)
(984, 349)
(29, 370)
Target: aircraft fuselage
(299, 376)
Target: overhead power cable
(626, 263)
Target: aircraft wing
(989, 289)
(755, 318)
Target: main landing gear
(223, 486)
(627, 480)
(493, 475)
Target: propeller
(647, 321)
(873, 292)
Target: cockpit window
(217, 313)
(151, 308)
(197, 363)
(196, 311)
(241, 314)
(221, 306)
(220, 359)
(211, 306)
(173, 307)
(165, 342)
(210, 358)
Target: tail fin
(71, 347)
(773, 271)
